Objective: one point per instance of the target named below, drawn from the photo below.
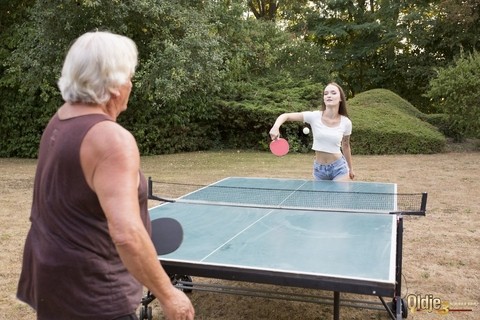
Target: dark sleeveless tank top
(71, 269)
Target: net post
(150, 195)
(150, 185)
(423, 206)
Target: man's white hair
(96, 65)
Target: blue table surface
(333, 243)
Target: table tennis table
(333, 236)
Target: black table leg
(336, 305)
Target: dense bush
(443, 122)
(456, 92)
(245, 121)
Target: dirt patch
(441, 250)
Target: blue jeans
(330, 171)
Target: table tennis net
(291, 199)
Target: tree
(352, 36)
(277, 10)
(460, 26)
(181, 61)
(455, 91)
(264, 9)
(389, 43)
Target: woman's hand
(274, 133)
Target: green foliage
(245, 121)
(354, 39)
(182, 56)
(210, 77)
(182, 64)
(384, 123)
(304, 61)
(20, 132)
(443, 123)
(389, 44)
(455, 90)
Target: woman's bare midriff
(326, 158)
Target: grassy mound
(384, 123)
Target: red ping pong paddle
(167, 235)
(279, 147)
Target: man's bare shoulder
(111, 133)
(108, 138)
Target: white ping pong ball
(306, 130)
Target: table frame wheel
(175, 278)
(146, 313)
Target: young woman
(331, 129)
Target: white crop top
(327, 139)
